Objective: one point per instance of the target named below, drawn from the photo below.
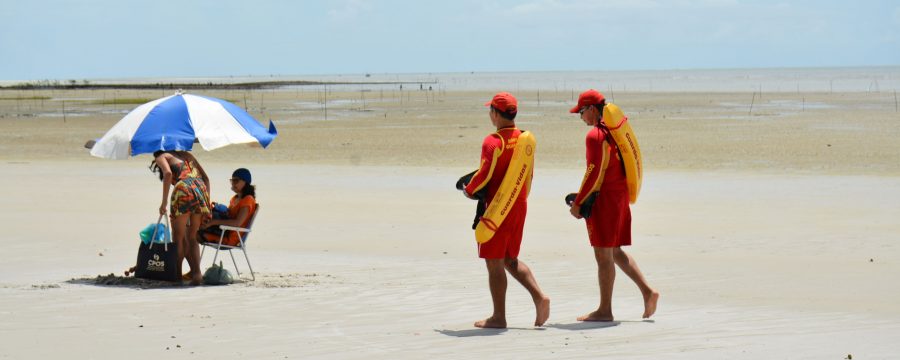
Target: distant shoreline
(762, 80)
(55, 85)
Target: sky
(94, 39)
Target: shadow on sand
(584, 325)
(264, 280)
(483, 332)
(113, 280)
(472, 332)
(587, 325)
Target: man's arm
(597, 161)
(491, 149)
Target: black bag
(481, 195)
(158, 261)
(586, 207)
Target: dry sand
(770, 235)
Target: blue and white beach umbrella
(173, 122)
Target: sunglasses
(234, 180)
(581, 112)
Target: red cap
(590, 97)
(504, 102)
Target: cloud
(348, 10)
(712, 3)
(580, 6)
(536, 7)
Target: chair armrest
(233, 228)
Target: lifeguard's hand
(162, 209)
(467, 195)
(575, 210)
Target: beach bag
(217, 275)
(158, 261)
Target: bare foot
(491, 323)
(596, 316)
(650, 304)
(196, 279)
(130, 270)
(542, 308)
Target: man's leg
(606, 273)
(630, 267)
(524, 276)
(497, 283)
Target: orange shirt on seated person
(240, 210)
(234, 209)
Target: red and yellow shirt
(605, 171)
(490, 173)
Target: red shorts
(610, 221)
(508, 238)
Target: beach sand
(770, 234)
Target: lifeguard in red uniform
(604, 187)
(501, 250)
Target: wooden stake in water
(64, 110)
(539, 98)
(362, 96)
(896, 109)
(751, 104)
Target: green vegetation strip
(122, 101)
(26, 98)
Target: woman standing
(189, 203)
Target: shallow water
(859, 79)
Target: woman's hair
(154, 167)
(248, 190)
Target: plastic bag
(217, 275)
(162, 234)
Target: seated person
(240, 209)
